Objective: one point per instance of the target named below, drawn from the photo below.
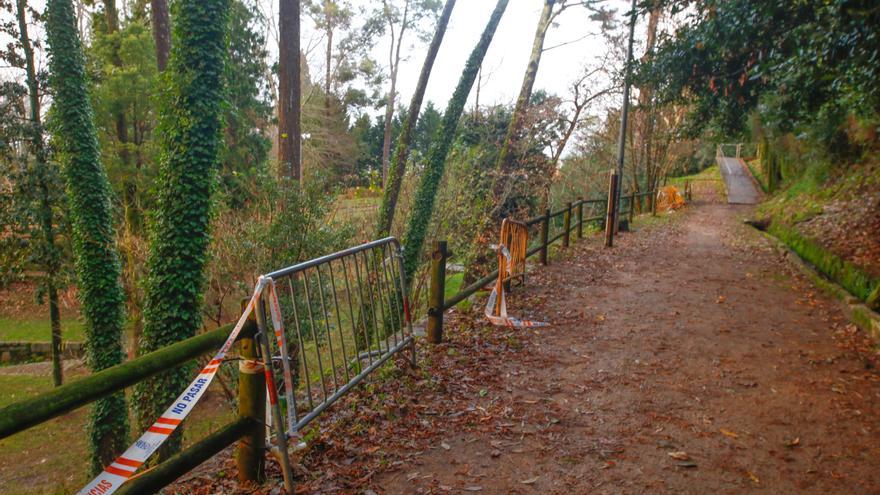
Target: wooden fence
(248, 428)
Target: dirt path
(699, 343)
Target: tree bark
(51, 260)
(161, 31)
(401, 152)
(289, 91)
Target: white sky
(504, 64)
(508, 54)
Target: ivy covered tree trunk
(401, 152)
(423, 203)
(48, 255)
(97, 264)
(190, 123)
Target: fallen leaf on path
(794, 442)
(728, 433)
(679, 456)
(445, 445)
(530, 480)
(753, 477)
(721, 299)
(686, 464)
(474, 489)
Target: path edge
(858, 313)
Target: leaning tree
(423, 203)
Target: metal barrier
(344, 315)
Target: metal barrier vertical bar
(393, 303)
(387, 319)
(277, 418)
(372, 302)
(299, 339)
(401, 296)
(328, 332)
(339, 322)
(401, 274)
(322, 376)
(352, 317)
(361, 310)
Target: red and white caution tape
(281, 339)
(503, 319)
(125, 465)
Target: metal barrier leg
(280, 449)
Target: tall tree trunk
(161, 31)
(91, 218)
(394, 65)
(50, 257)
(504, 165)
(289, 91)
(401, 152)
(192, 120)
(423, 203)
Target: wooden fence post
(545, 231)
(580, 219)
(437, 292)
(611, 209)
(654, 203)
(566, 222)
(249, 453)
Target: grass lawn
(38, 330)
(53, 457)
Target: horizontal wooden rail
(481, 283)
(164, 474)
(30, 412)
(470, 289)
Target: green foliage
(125, 78)
(190, 124)
(248, 110)
(423, 203)
(97, 265)
(806, 66)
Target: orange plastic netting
(668, 198)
